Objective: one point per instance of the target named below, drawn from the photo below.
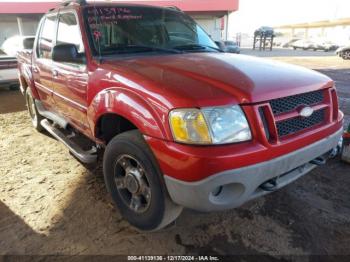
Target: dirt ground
(52, 204)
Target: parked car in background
(8, 72)
(303, 44)
(289, 43)
(232, 47)
(314, 44)
(344, 52)
(220, 45)
(325, 46)
(17, 43)
(228, 46)
(8, 61)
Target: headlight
(227, 124)
(189, 126)
(213, 125)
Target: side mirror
(28, 43)
(67, 53)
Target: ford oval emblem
(306, 112)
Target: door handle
(54, 73)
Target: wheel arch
(109, 125)
(128, 110)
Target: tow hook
(319, 161)
(270, 185)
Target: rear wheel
(33, 112)
(13, 87)
(134, 181)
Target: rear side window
(47, 37)
(69, 32)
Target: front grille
(294, 125)
(287, 104)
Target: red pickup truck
(179, 122)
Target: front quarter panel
(125, 103)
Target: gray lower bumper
(243, 184)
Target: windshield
(115, 30)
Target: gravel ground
(52, 204)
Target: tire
(134, 181)
(13, 87)
(346, 55)
(33, 111)
(294, 48)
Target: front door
(70, 79)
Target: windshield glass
(115, 30)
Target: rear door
(70, 79)
(42, 59)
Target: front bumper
(243, 184)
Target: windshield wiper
(197, 47)
(143, 48)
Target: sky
(255, 13)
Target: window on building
(47, 37)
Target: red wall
(185, 5)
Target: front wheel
(134, 181)
(33, 111)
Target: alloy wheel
(132, 184)
(346, 55)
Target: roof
(24, 7)
(317, 24)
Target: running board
(50, 115)
(86, 157)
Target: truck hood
(217, 78)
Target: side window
(69, 32)
(46, 38)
